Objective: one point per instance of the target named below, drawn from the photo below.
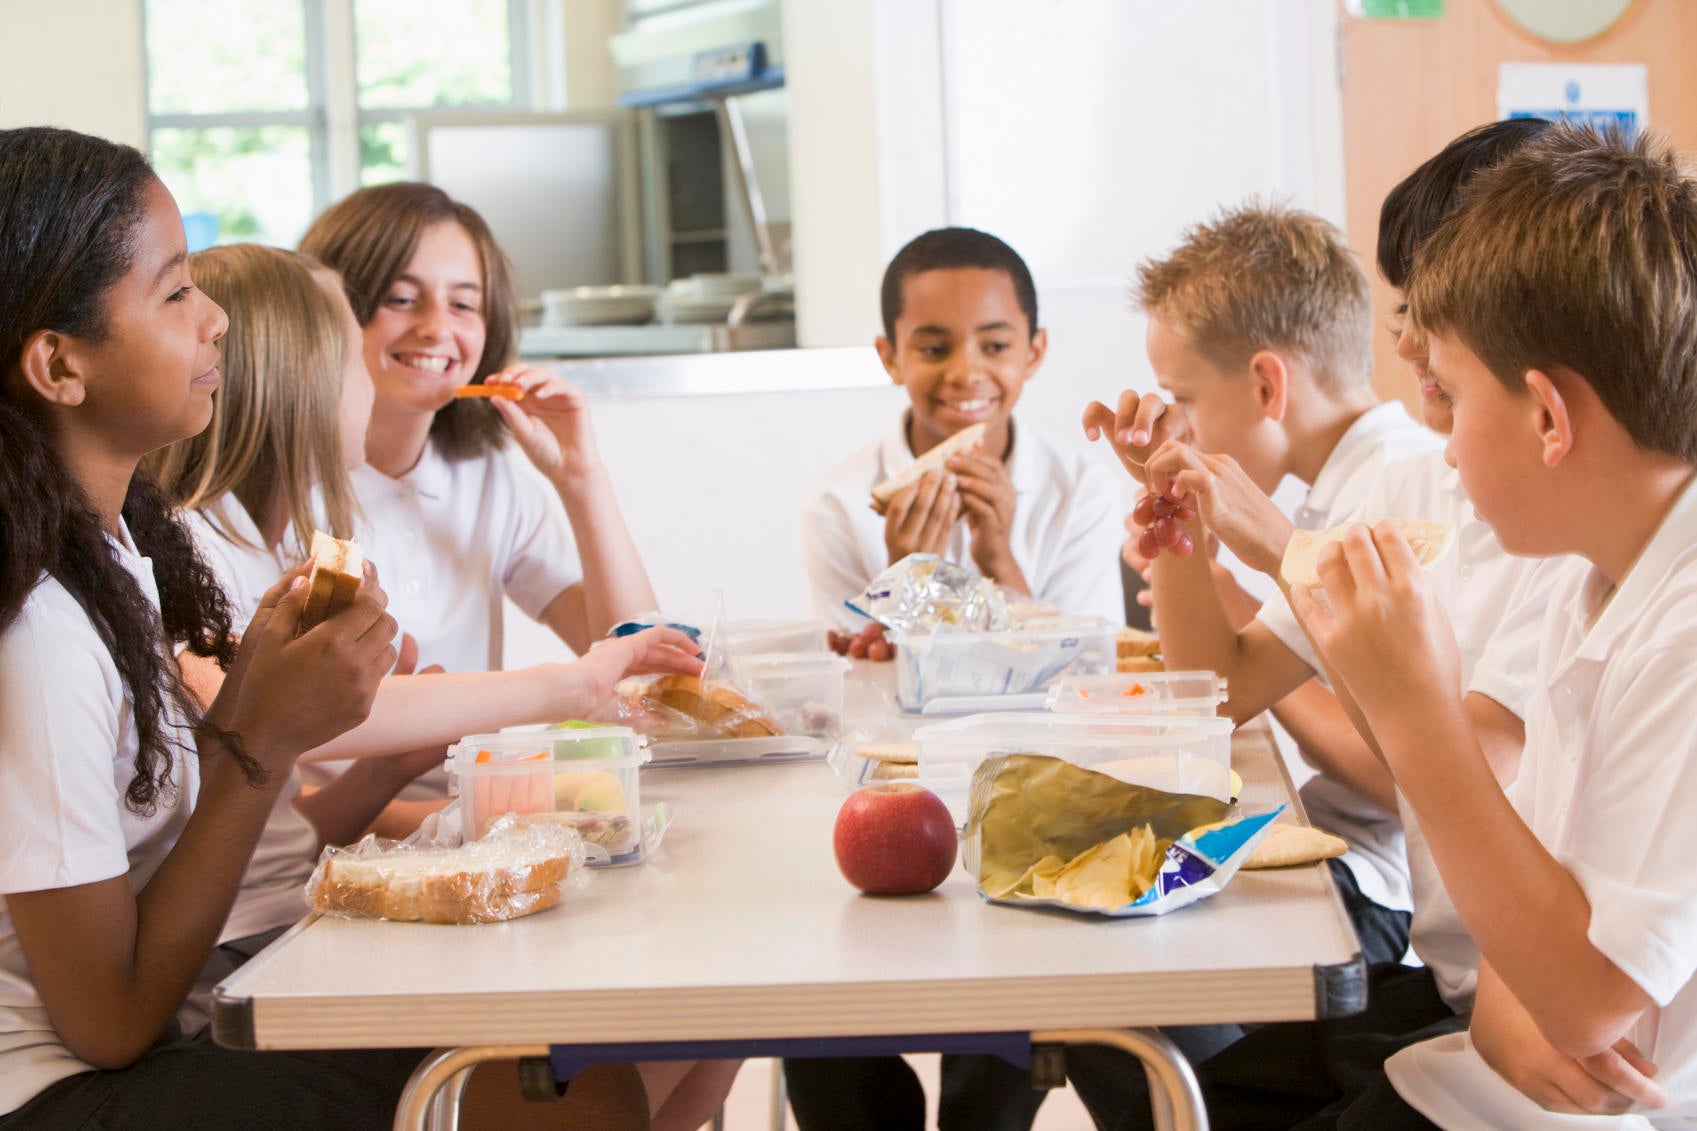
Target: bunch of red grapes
(1160, 516)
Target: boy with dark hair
(1560, 308)
(961, 338)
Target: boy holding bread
(955, 475)
(1559, 306)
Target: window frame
(333, 117)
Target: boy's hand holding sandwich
(1385, 633)
(988, 500)
(921, 515)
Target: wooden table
(740, 929)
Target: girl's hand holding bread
(285, 695)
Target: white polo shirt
(67, 754)
(1066, 536)
(1609, 769)
(1382, 436)
(1495, 604)
(271, 891)
(450, 539)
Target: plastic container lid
(771, 665)
(1139, 693)
(611, 747)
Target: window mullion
(341, 96)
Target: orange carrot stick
(510, 392)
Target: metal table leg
(443, 1066)
(1173, 1090)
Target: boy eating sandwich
(956, 475)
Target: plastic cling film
(517, 869)
(923, 593)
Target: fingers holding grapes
(1163, 520)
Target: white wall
(73, 63)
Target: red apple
(894, 839)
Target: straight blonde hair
(276, 427)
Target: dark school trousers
(1308, 1075)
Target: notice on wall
(1605, 95)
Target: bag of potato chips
(1043, 832)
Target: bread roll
(967, 439)
(1301, 565)
(338, 570)
(719, 705)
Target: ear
(1271, 379)
(51, 368)
(887, 354)
(1039, 350)
(1553, 422)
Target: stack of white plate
(682, 301)
(599, 306)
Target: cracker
(1286, 845)
(899, 752)
(894, 771)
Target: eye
(994, 348)
(179, 294)
(467, 307)
(399, 302)
(932, 352)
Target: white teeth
(428, 364)
(972, 406)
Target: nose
(429, 324)
(217, 321)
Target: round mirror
(1564, 21)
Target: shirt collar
(1353, 448)
(429, 477)
(1668, 548)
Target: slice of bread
(1137, 642)
(445, 885)
(1301, 565)
(338, 570)
(967, 439)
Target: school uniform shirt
(1068, 525)
(1381, 437)
(1495, 604)
(271, 891)
(450, 539)
(67, 754)
(1606, 783)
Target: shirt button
(1467, 573)
(414, 588)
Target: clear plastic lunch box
(959, 672)
(1139, 693)
(757, 637)
(588, 777)
(803, 690)
(1175, 753)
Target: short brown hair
(1579, 251)
(276, 422)
(370, 236)
(1265, 277)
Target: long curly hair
(69, 208)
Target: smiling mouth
(424, 362)
(975, 405)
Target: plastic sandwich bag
(521, 866)
(923, 593)
(1043, 832)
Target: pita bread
(966, 439)
(1286, 845)
(1301, 565)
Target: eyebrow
(171, 265)
(461, 286)
(1003, 324)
